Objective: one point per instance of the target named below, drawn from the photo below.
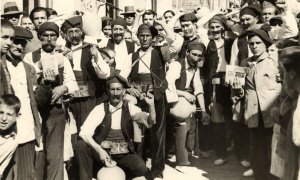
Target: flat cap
(188, 17)
(116, 78)
(146, 27)
(49, 26)
(22, 33)
(119, 21)
(253, 10)
(73, 22)
(196, 45)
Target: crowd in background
(80, 93)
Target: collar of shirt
(13, 61)
(122, 43)
(12, 134)
(76, 46)
(115, 108)
(188, 67)
(254, 61)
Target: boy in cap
(189, 27)
(9, 113)
(56, 79)
(23, 80)
(108, 132)
(11, 12)
(261, 90)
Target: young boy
(9, 112)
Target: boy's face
(8, 117)
(7, 35)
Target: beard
(49, 46)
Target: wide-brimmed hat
(10, 8)
(128, 10)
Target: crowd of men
(80, 94)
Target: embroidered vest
(104, 128)
(157, 67)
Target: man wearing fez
(121, 47)
(147, 74)
(108, 132)
(89, 69)
(56, 79)
(23, 80)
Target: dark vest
(212, 58)
(242, 44)
(157, 67)
(182, 52)
(129, 45)
(103, 129)
(181, 82)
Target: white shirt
(105, 70)
(121, 52)
(96, 116)
(235, 51)
(58, 61)
(8, 146)
(221, 53)
(25, 123)
(193, 75)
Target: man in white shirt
(57, 79)
(23, 80)
(108, 133)
(9, 112)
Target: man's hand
(236, 86)
(205, 118)
(189, 97)
(134, 92)
(149, 99)
(104, 157)
(140, 12)
(57, 92)
(49, 75)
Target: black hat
(289, 55)
(72, 22)
(116, 78)
(196, 45)
(22, 33)
(188, 17)
(262, 34)
(220, 19)
(145, 26)
(49, 26)
(253, 10)
(119, 21)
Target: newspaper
(235, 71)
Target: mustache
(217, 32)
